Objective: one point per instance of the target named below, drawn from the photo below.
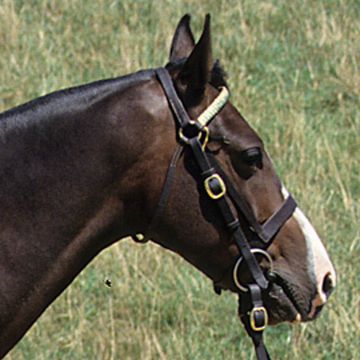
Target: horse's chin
(285, 305)
(280, 308)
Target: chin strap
(255, 318)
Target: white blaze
(319, 263)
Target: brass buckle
(253, 324)
(208, 189)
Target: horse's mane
(72, 98)
(76, 98)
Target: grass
(294, 73)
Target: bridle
(195, 135)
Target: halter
(220, 190)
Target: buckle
(215, 186)
(258, 318)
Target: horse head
(295, 263)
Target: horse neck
(64, 186)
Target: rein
(195, 134)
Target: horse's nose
(328, 285)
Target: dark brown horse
(84, 167)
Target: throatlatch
(195, 134)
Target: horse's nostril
(328, 285)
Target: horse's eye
(252, 157)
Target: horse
(163, 153)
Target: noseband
(195, 135)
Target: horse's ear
(197, 69)
(183, 41)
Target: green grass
(294, 73)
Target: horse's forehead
(234, 126)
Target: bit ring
(238, 263)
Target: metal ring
(205, 130)
(181, 132)
(238, 262)
(202, 132)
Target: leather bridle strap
(278, 219)
(232, 222)
(163, 197)
(220, 189)
(255, 318)
(272, 225)
(214, 187)
(207, 171)
(176, 105)
(255, 311)
(166, 188)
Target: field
(294, 72)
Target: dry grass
(294, 73)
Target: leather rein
(220, 190)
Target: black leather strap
(165, 192)
(180, 114)
(166, 189)
(278, 218)
(247, 304)
(213, 176)
(269, 229)
(230, 220)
